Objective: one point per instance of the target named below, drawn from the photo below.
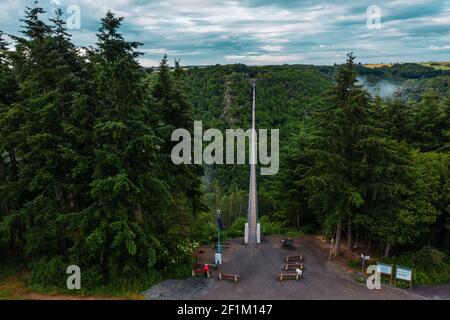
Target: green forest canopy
(86, 176)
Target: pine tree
(126, 186)
(396, 118)
(431, 123)
(175, 112)
(9, 201)
(47, 66)
(342, 129)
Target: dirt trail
(258, 266)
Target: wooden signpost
(364, 258)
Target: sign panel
(403, 273)
(384, 268)
(218, 258)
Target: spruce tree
(342, 127)
(169, 92)
(9, 200)
(126, 186)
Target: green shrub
(205, 230)
(354, 263)
(430, 266)
(236, 229)
(271, 227)
(179, 260)
(47, 274)
(268, 227)
(429, 256)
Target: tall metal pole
(219, 246)
(218, 255)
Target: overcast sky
(202, 32)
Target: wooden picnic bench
(293, 266)
(289, 276)
(199, 272)
(293, 258)
(228, 276)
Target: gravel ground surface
(259, 265)
(440, 292)
(179, 289)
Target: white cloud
(149, 62)
(265, 59)
(272, 48)
(159, 51)
(258, 32)
(433, 47)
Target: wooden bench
(228, 276)
(289, 276)
(293, 258)
(293, 266)
(199, 272)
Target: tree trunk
(387, 249)
(337, 250)
(298, 220)
(139, 214)
(12, 238)
(62, 246)
(12, 158)
(349, 233)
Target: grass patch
(443, 66)
(377, 65)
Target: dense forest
(367, 152)
(85, 172)
(86, 176)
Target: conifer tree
(342, 128)
(126, 186)
(184, 181)
(9, 201)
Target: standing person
(206, 270)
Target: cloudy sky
(202, 32)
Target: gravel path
(258, 266)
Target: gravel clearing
(259, 265)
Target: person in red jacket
(206, 270)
